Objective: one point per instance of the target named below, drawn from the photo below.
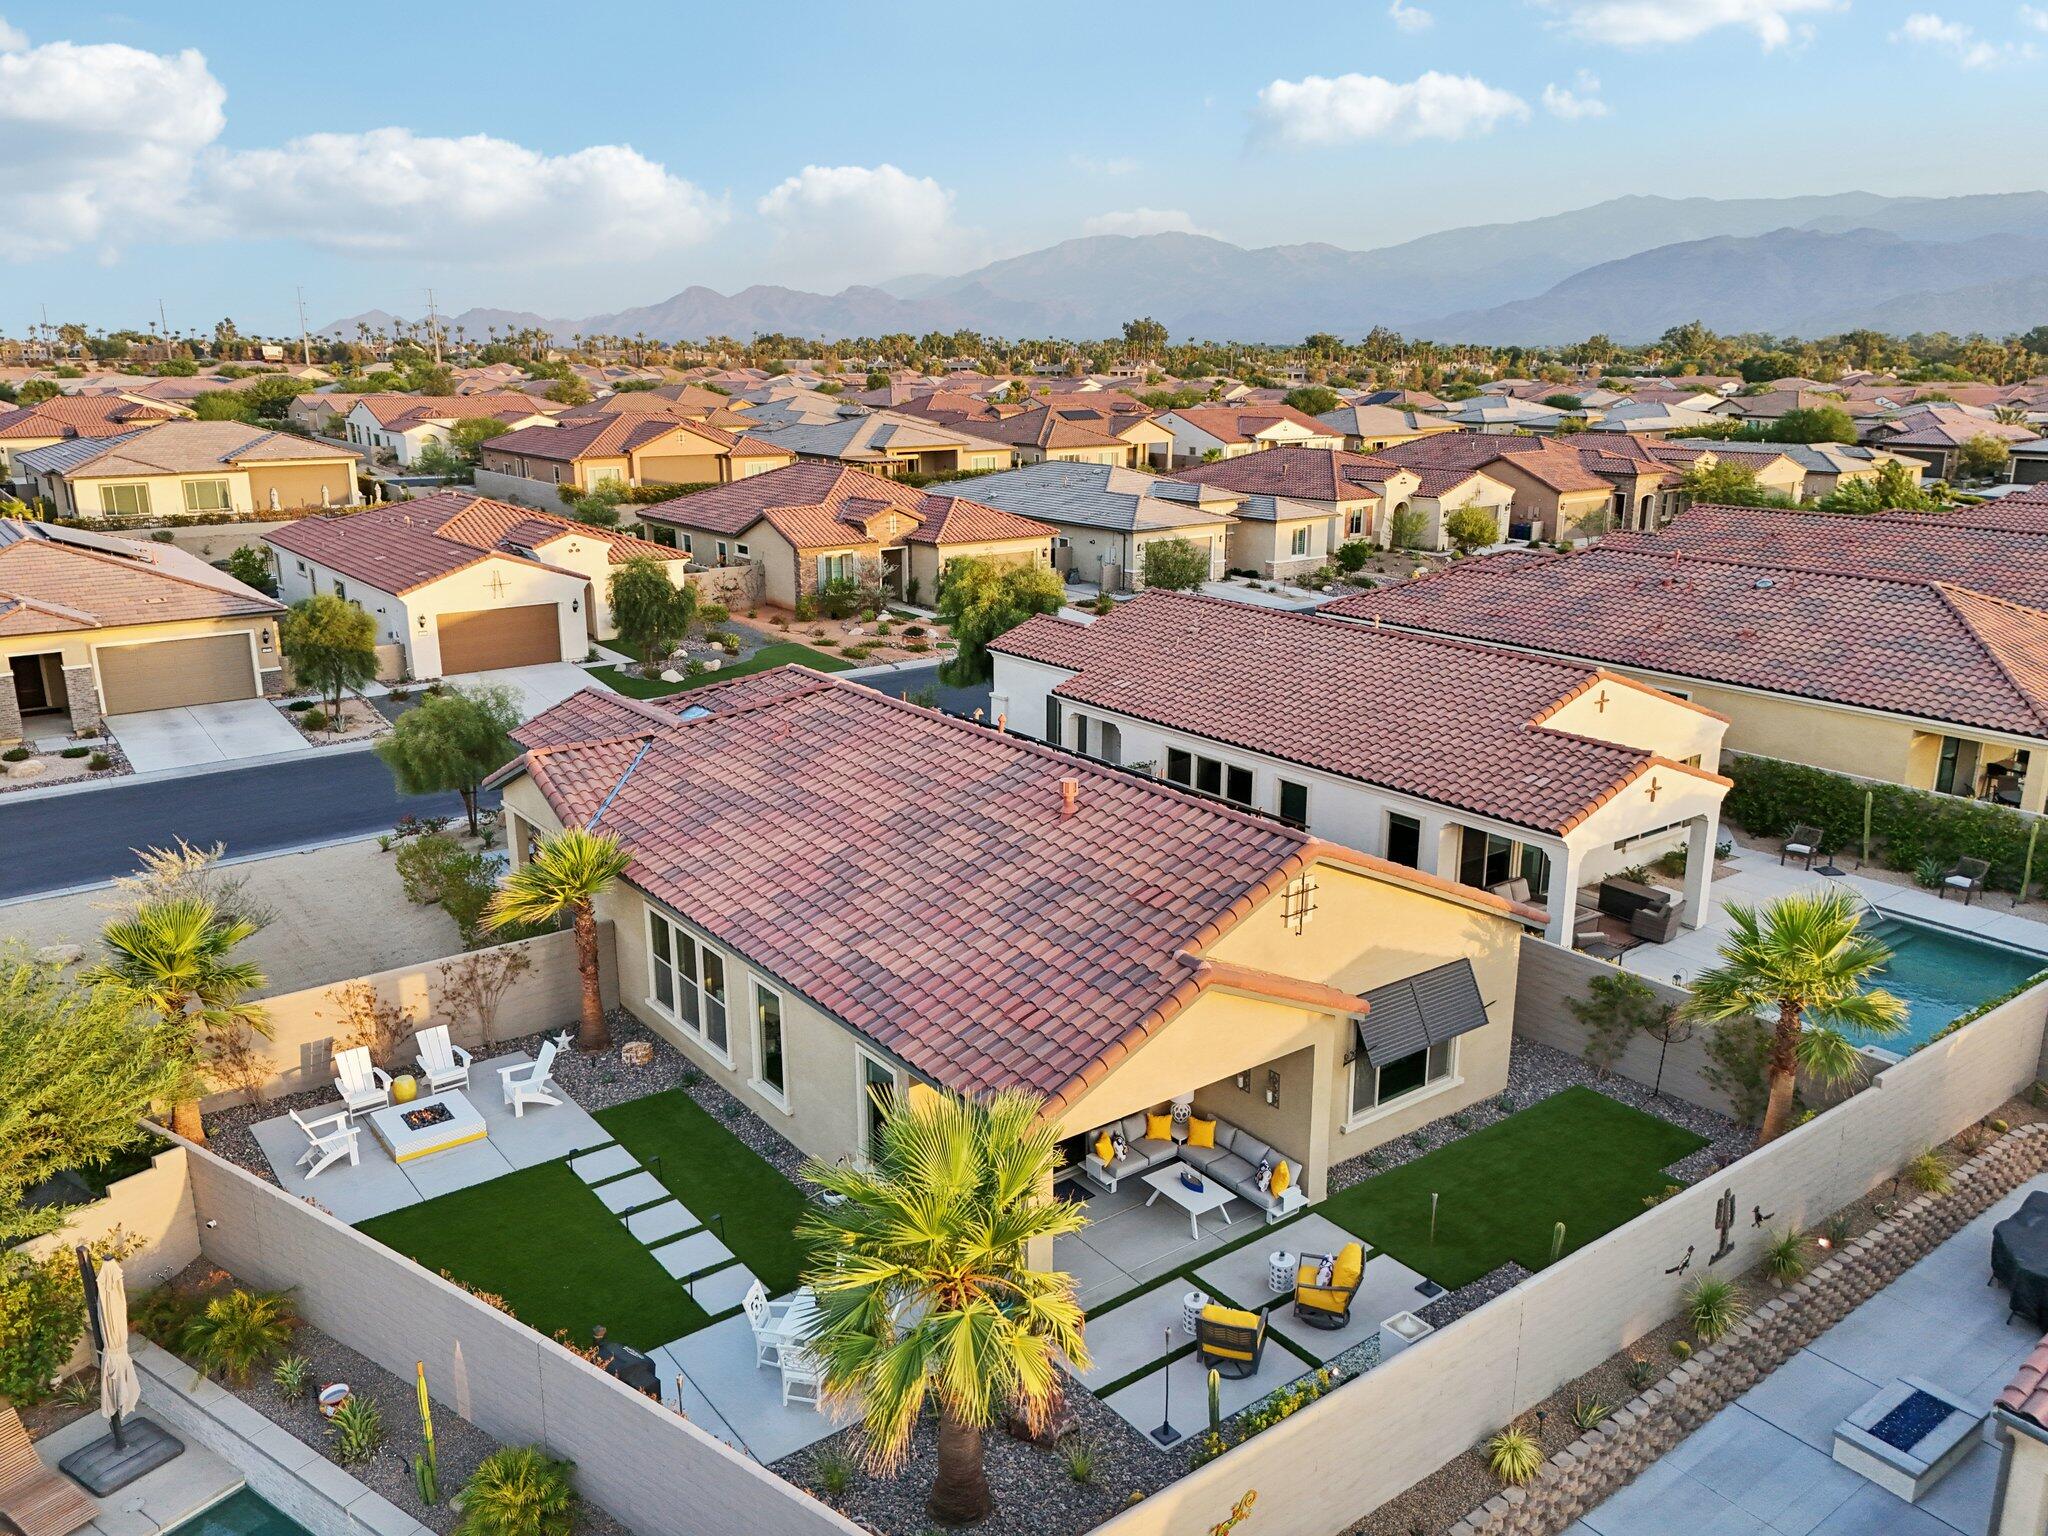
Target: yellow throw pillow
(1281, 1177)
(1201, 1133)
(1103, 1150)
(1159, 1127)
(1350, 1264)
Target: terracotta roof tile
(59, 579)
(823, 506)
(1310, 474)
(2026, 1395)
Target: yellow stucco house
(535, 465)
(181, 469)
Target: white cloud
(1581, 101)
(1924, 29)
(2035, 17)
(1656, 23)
(101, 140)
(1114, 165)
(1410, 18)
(1320, 110)
(870, 222)
(478, 198)
(1142, 221)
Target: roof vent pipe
(1070, 796)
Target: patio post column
(1325, 1062)
(2034, 793)
(1700, 837)
(2020, 1505)
(1564, 897)
(1038, 1250)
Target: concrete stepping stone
(635, 1189)
(693, 1255)
(660, 1222)
(606, 1163)
(723, 1289)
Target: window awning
(1419, 1011)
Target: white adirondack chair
(765, 1317)
(529, 1083)
(329, 1139)
(443, 1063)
(362, 1083)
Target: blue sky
(576, 158)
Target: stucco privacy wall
(656, 1472)
(547, 995)
(1382, 1432)
(1552, 978)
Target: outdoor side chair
(1230, 1342)
(1802, 842)
(1328, 1306)
(1967, 876)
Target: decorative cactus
(1215, 1402)
(426, 1465)
(1556, 1242)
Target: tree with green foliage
(223, 405)
(1891, 489)
(1144, 338)
(1983, 457)
(598, 507)
(1729, 483)
(1313, 399)
(925, 1287)
(331, 645)
(982, 598)
(650, 611)
(177, 956)
(1815, 424)
(1471, 528)
(1408, 528)
(566, 874)
(251, 567)
(1177, 564)
(569, 391)
(468, 435)
(36, 391)
(453, 741)
(1806, 963)
(1564, 402)
(81, 1061)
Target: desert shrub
(1513, 1456)
(1352, 555)
(518, 1491)
(313, 720)
(99, 762)
(1711, 1306)
(1738, 1055)
(236, 1332)
(42, 1317)
(358, 1429)
(424, 864)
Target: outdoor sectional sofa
(1233, 1162)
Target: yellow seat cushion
(1104, 1150)
(1349, 1266)
(1309, 1295)
(1201, 1133)
(1230, 1317)
(1159, 1127)
(1282, 1177)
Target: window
(768, 1071)
(1354, 524)
(124, 500)
(713, 975)
(877, 1092)
(1180, 766)
(740, 550)
(1237, 785)
(1052, 720)
(1293, 803)
(686, 981)
(1299, 545)
(1404, 840)
(1081, 734)
(1484, 858)
(1373, 1087)
(1208, 776)
(832, 568)
(207, 496)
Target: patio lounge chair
(329, 1139)
(529, 1083)
(362, 1084)
(443, 1063)
(1230, 1342)
(1657, 925)
(1328, 1306)
(35, 1500)
(1968, 876)
(1803, 843)
(766, 1318)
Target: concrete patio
(727, 1393)
(1128, 1242)
(1763, 1465)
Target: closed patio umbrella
(120, 1390)
(116, 1460)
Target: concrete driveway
(537, 688)
(205, 733)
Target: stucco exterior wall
(928, 561)
(502, 485)
(279, 486)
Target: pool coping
(277, 1466)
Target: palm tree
(925, 1287)
(177, 953)
(1807, 959)
(566, 874)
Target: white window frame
(1297, 542)
(1431, 1087)
(779, 1097)
(862, 1059)
(107, 490)
(691, 1021)
(227, 495)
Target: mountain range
(1630, 267)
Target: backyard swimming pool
(240, 1514)
(1941, 976)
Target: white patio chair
(528, 1083)
(766, 1318)
(361, 1082)
(803, 1377)
(330, 1138)
(443, 1063)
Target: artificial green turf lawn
(781, 654)
(1577, 1157)
(540, 1239)
(714, 1173)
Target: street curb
(191, 771)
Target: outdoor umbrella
(120, 1391)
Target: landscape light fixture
(1166, 1434)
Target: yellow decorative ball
(403, 1089)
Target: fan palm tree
(925, 1286)
(177, 953)
(566, 874)
(1805, 959)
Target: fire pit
(429, 1125)
(428, 1114)
(1908, 1437)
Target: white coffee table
(408, 1143)
(1213, 1196)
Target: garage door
(206, 669)
(499, 637)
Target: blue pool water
(240, 1514)
(1941, 976)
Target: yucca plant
(358, 1429)
(235, 1333)
(1711, 1307)
(518, 1491)
(1785, 1256)
(1587, 1412)
(291, 1374)
(566, 874)
(1513, 1456)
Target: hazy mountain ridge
(1632, 266)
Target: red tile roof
(1443, 720)
(1309, 474)
(592, 437)
(2026, 1395)
(1239, 424)
(823, 506)
(1917, 648)
(1544, 459)
(55, 580)
(66, 416)
(395, 410)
